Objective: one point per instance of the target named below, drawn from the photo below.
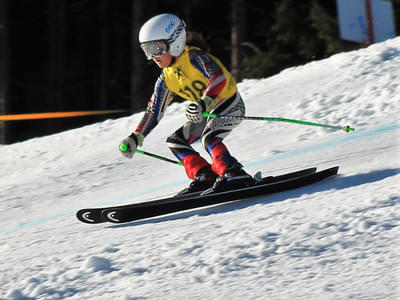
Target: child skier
(194, 75)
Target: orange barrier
(54, 115)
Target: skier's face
(162, 61)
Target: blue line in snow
(338, 141)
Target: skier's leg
(217, 129)
(180, 144)
(230, 171)
(196, 167)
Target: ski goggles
(154, 48)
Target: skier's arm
(155, 110)
(156, 107)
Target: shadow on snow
(338, 183)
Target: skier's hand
(128, 145)
(194, 111)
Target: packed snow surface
(337, 239)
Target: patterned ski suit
(194, 74)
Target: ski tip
(89, 215)
(85, 216)
(110, 216)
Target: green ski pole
(125, 147)
(274, 119)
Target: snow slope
(338, 239)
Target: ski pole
(125, 147)
(344, 128)
(159, 157)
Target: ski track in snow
(337, 239)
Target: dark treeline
(65, 55)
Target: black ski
(93, 215)
(150, 209)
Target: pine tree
(302, 31)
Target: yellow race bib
(190, 81)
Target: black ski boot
(235, 177)
(203, 180)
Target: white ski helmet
(167, 28)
